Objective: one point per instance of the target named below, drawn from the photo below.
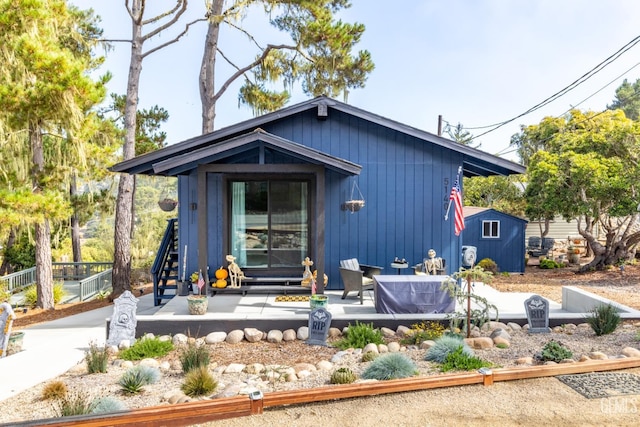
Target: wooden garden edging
(202, 411)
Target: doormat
(602, 384)
(292, 298)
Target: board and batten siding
(402, 182)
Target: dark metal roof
(256, 139)
(475, 162)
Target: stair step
(165, 287)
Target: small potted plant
(197, 303)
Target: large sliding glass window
(269, 223)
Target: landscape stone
(252, 334)
(492, 325)
(303, 333)
(584, 358)
(394, 347)
(289, 335)
(383, 348)
(324, 365)
(567, 361)
(274, 336)
(631, 352)
(502, 333)
(180, 339)
(304, 367)
(528, 360)
(499, 340)
(481, 343)
(235, 336)
(387, 333)
(426, 345)
(598, 355)
(215, 337)
(403, 331)
(124, 344)
(123, 322)
(234, 368)
(150, 362)
(334, 333)
(370, 347)
(254, 368)
(514, 326)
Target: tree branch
(175, 39)
(179, 3)
(166, 24)
(243, 70)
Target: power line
(565, 90)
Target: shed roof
(475, 162)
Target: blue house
(287, 185)
(496, 235)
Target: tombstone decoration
(6, 320)
(537, 309)
(123, 322)
(319, 324)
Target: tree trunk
(207, 69)
(11, 240)
(75, 223)
(124, 200)
(44, 270)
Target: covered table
(411, 294)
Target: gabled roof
(469, 211)
(475, 162)
(256, 139)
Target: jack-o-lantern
(220, 283)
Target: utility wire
(562, 92)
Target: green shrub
(136, 377)
(343, 376)
(550, 264)
(147, 348)
(488, 264)
(30, 297)
(199, 382)
(603, 319)
(75, 403)
(359, 335)
(390, 366)
(107, 405)
(96, 358)
(444, 346)
(54, 390)
(194, 356)
(458, 360)
(554, 351)
(423, 331)
(5, 295)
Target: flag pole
(446, 215)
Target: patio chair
(357, 277)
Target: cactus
(369, 356)
(343, 376)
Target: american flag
(200, 281)
(456, 198)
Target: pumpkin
(221, 283)
(222, 273)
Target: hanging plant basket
(356, 202)
(168, 205)
(353, 205)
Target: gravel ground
(525, 402)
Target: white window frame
(491, 222)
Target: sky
(474, 62)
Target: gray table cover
(411, 294)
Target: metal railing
(19, 280)
(67, 271)
(92, 286)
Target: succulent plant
(369, 356)
(343, 376)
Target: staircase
(166, 266)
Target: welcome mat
(602, 384)
(292, 298)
